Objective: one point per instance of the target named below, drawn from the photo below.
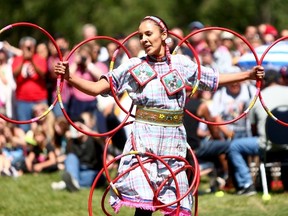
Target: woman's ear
(164, 36)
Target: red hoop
(26, 24)
(258, 82)
(59, 82)
(268, 111)
(110, 75)
(194, 185)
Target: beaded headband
(158, 21)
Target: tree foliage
(115, 17)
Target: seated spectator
(83, 160)
(6, 168)
(47, 122)
(208, 146)
(14, 144)
(59, 141)
(251, 146)
(41, 156)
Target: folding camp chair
(276, 157)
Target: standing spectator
(95, 59)
(207, 59)
(251, 32)
(29, 72)
(213, 39)
(268, 33)
(42, 50)
(225, 53)
(184, 49)
(84, 67)
(63, 45)
(89, 30)
(11, 50)
(7, 86)
(284, 33)
(134, 49)
(197, 40)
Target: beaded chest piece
(172, 81)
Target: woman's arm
(255, 73)
(88, 87)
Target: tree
(114, 17)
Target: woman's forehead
(148, 25)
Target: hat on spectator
(226, 35)
(195, 25)
(271, 30)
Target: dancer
(158, 127)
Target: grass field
(31, 195)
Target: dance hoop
(268, 111)
(258, 82)
(111, 67)
(194, 185)
(59, 82)
(27, 24)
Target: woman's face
(151, 38)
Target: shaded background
(115, 17)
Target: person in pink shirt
(83, 67)
(53, 58)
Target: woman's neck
(157, 58)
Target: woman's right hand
(62, 68)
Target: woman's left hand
(257, 72)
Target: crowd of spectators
(28, 87)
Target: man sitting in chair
(241, 148)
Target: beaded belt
(161, 117)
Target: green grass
(31, 195)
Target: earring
(168, 40)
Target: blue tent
(276, 57)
